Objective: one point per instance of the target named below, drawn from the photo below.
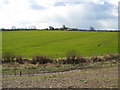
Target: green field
(58, 43)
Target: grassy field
(58, 43)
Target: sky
(100, 14)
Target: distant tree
(13, 27)
(64, 27)
(32, 27)
(51, 28)
(92, 28)
(2, 29)
(46, 29)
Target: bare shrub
(19, 59)
(71, 54)
(96, 58)
(41, 60)
(111, 56)
(80, 59)
(8, 57)
(54, 61)
(114, 56)
(62, 61)
(71, 57)
(70, 60)
(25, 60)
(105, 57)
(88, 59)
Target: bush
(62, 61)
(41, 60)
(105, 57)
(111, 56)
(96, 58)
(80, 59)
(71, 54)
(54, 61)
(19, 60)
(8, 57)
(76, 60)
(72, 60)
(70, 57)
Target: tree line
(63, 28)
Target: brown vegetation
(71, 58)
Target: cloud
(37, 7)
(72, 13)
(59, 4)
(34, 5)
(82, 17)
(3, 3)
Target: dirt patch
(88, 78)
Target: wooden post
(20, 73)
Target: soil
(85, 78)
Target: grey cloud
(37, 7)
(91, 16)
(64, 3)
(6, 2)
(59, 4)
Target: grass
(57, 43)
(31, 69)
